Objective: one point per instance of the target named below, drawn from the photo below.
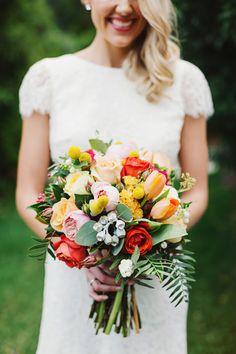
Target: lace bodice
(82, 97)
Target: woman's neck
(103, 53)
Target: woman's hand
(101, 281)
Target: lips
(122, 24)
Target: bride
(128, 84)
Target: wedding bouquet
(121, 206)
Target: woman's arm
(34, 157)
(194, 159)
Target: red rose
(69, 252)
(133, 166)
(138, 236)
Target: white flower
(78, 182)
(126, 268)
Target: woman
(128, 84)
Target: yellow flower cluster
(133, 185)
(75, 153)
(126, 197)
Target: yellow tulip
(154, 184)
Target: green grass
(212, 312)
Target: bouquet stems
(120, 311)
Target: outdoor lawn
(211, 325)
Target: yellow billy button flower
(85, 156)
(103, 201)
(138, 192)
(74, 152)
(134, 153)
(98, 205)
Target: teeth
(121, 24)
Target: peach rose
(107, 169)
(60, 210)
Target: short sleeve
(35, 90)
(196, 93)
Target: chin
(121, 43)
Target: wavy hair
(154, 52)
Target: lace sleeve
(196, 92)
(35, 92)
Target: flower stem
(135, 309)
(115, 308)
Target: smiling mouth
(122, 25)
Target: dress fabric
(81, 98)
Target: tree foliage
(31, 30)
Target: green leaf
(163, 195)
(51, 253)
(57, 191)
(124, 213)
(80, 199)
(137, 281)
(167, 232)
(86, 236)
(98, 145)
(135, 256)
(116, 250)
(117, 278)
(116, 262)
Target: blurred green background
(31, 30)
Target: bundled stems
(120, 310)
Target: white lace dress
(82, 97)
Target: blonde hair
(153, 53)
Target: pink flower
(122, 150)
(73, 222)
(103, 188)
(40, 198)
(91, 153)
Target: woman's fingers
(101, 276)
(100, 282)
(96, 296)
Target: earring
(87, 7)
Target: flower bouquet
(125, 203)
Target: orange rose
(60, 210)
(138, 236)
(164, 209)
(69, 252)
(133, 166)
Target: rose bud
(164, 209)
(154, 184)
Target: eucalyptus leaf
(116, 250)
(124, 213)
(166, 232)
(98, 145)
(86, 236)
